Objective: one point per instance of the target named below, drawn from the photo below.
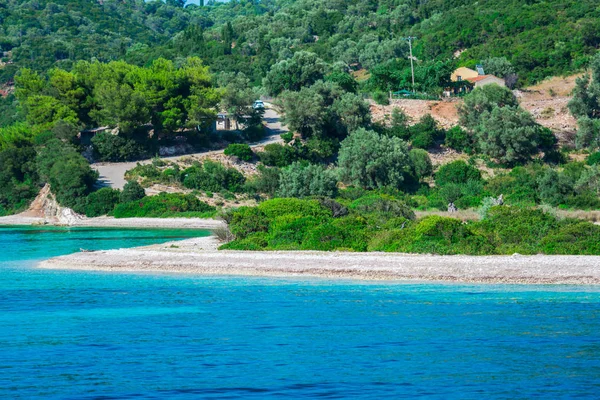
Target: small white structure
(483, 80)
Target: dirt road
(113, 174)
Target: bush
(162, 206)
(459, 140)
(267, 180)
(132, 191)
(213, 177)
(383, 206)
(108, 147)
(371, 161)
(420, 163)
(573, 237)
(254, 242)
(254, 133)
(519, 187)
(279, 207)
(18, 178)
(289, 231)
(300, 180)
(516, 230)
(277, 155)
(381, 98)
(553, 188)
(101, 202)
(484, 99)
(348, 233)
(456, 172)
(422, 140)
(433, 234)
(246, 221)
(67, 172)
(426, 132)
(593, 158)
(510, 135)
(241, 151)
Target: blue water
(85, 335)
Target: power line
(412, 67)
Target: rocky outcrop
(47, 208)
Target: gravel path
(113, 174)
(199, 256)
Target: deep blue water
(85, 335)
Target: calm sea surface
(85, 335)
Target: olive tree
(300, 180)
(509, 134)
(484, 99)
(370, 160)
(303, 69)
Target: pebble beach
(200, 256)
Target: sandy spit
(199, 256)
(110, 222)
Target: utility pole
(412, 67)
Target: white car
(258, 104)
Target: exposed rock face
(45, 206)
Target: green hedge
(165, 205)
(372, 224)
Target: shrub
(255, 242)
(381, 98)
(399, 126)
(573, 237)
(383, 206)
(132, 191)
(300, 180)
(593, 158)
(426, 132)
(279, 207)
(267, 180)
(484, 99)
(277, 155)
(246, 221)
(451, 192)
(420, 163)
(287, 232)
(241, 151)
(162, 206)
(101, 202)
(553, 188)
(342, 233)
(254, 133)
(456, 172)
(369, 160)
(433, 234)
(108, 147)
(422, 140)
(510, 135)
(519, 187)
(513, 229)
(67, 172)
(459, 140)
(214, 177)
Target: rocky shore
(200, 256)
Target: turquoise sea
(92, 335)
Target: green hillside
(540, 38)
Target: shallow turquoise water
(92, 335)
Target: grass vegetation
(383, 223)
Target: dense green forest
(540, 38)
